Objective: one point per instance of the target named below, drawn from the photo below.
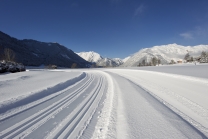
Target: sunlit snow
(148, 102)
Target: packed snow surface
(151, 102)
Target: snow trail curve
(60, 116)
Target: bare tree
(74, 65)
(187, 57)
(159, 62)
(9, 54)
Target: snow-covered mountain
(165, 53)
(107, 62)
(90, 56)
(99, 60)
(118, 61)
(125, 59)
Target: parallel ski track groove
(29, 122)
(82, 111)
(2, 119)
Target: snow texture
(160, 102)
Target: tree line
(203, 58)
(154, 61)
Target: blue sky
(113, 28)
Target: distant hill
(36, 53)
(165, 53)
(99, 60)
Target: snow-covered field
(149, 102)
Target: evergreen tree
(204, 57)
(187, 57)
(154, 61)
(172, 62)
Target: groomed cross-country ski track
(104, 103)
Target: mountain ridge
(90, 56)
(35, 53)
(165, 53)
(94, 57)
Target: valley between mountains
(104, 69)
